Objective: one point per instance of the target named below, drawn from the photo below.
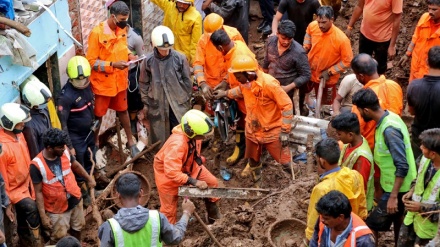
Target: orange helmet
(212, 23)
(242, 63)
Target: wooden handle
(207, 229)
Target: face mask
(120, 24)
(16, 131)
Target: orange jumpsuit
(269, 112)
(15, 165)
(426, 35)
(173, 164)
(240, 48)
(390, 98)
(327, 51)
(209, 64)
(105, 46)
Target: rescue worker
(333, 177)
(108, 55)
(286, 60)
(57, 194)
(6, 204)
(355, 154)
(269, 114)
(329, 52)
(300, 12)
(380, 27)
(75, 109)
(338, 225)
(14, 167)
(394, 159)
(209, 68)
(235, 13)
(136, 47)
(423, 197)
(389, 92)
(185, 22)
(185, 166)
(229, 49)
(426, 35)
(35, 95)
(134, 224)
(209, 64)
(165, 85)
(423, 101)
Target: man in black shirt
(424, 101)
(291, 68)
(300, 12)
(57, 193)
(75, 110)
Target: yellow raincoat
(347, 181)
(186, 27)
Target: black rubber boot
(212, 210)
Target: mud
(247, 223)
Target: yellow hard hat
(212, 23)
(241, 63)
(195, 122)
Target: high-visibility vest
(54, 192)
(383, 159)
(365, 151)
(358, 229)
(149, 235)
(424, 228)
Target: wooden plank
(233, 193)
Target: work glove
(325, 75)
(206, 90)
(403, 60)
(284, 138)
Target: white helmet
(162, 37)
(11, 114)
(34, 92)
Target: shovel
(319, 98)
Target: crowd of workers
(373, 174)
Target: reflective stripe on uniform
(287, 121)
(155, 229)
(117, 230)
(287, 113)
(96, 65)
(353, 234)
(44, 172)
(198, 67)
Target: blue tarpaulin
(7, 9)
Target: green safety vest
(383, 159)
(424, 228)
(365, 151)
(149, 235)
